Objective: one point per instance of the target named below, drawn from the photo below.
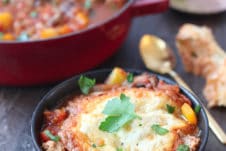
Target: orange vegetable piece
(8, 37)
(64, 30)
(48, 33)
(189, 113)
(117, 76)
(100, 142)
(6, 20)
(83, 19)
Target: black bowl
(60, 93)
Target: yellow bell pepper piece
(6, 20)
(189, 113)
(65, 29)
(48, 33)
(117, 76)
(8, 37)
(83, 19)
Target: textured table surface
(17, 104)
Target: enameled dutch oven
(59, 95)
(45, 61)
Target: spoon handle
(214, 126)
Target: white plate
(199, 6)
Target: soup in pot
(24, 20)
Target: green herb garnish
(197, 109)
(120, 111)
(183, 148)
(130, 77)
(23, 37)
(86, 84)
(119, 149)
(140, 124)
(88, 4)
(170, 108)
(51, 136)
(94, 145)
(159, 130)
(1, 35)
(33, 14)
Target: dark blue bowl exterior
(59, 94)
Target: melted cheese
(133, 137)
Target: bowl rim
(79, 32)
(194, 99)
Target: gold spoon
(158, 56)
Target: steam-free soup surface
(38, 19)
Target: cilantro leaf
(120, 111)
(86, 84)
(88, 4)
(130, 77)
(197, 109)
(119, 149)
(183, 148)
(114, 123)
(116, 106)
(51, 136)
(94, 145)
(159, 130)
(1, 35)
(170, 108)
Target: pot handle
(144, 7)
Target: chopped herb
(87, 4)
(118, 106)
(197, 109)
(159, 130)
(86, 84)
(119, 149)
(140, 124)
(1, 35)
(33, 14)
(170, 108)
(114, 123)
(51, 136)
(130, 77)
(120, 111)
(23, 37)
(139, 117)
(94, 145)
(183, 148)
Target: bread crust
(201, 55)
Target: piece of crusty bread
(202, 55)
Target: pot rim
(96, 25)
(193, 98)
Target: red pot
(45, 61)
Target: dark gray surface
(17, 104)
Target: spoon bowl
(156, 54)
